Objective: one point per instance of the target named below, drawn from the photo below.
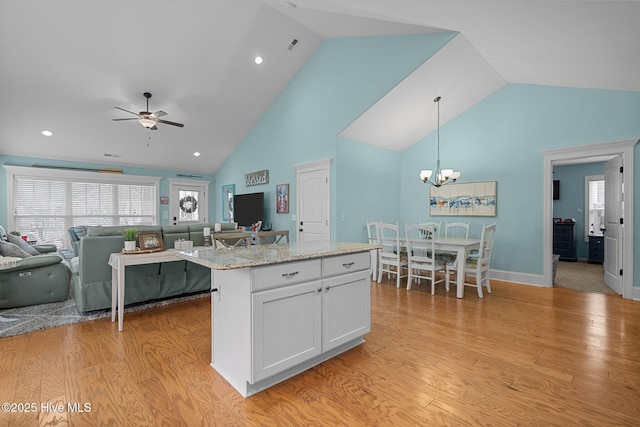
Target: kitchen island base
(271, 321)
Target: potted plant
(130, 239)
(17, 233)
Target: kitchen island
(278, 310)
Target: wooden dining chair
(373, 240)
(477, 266)
(422, 262)
(231, 239)
(436, 227)
(390, 259)
(457, 229)
(272, 237)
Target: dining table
(461, 247)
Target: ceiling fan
(148, 119)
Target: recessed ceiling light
(197, 154)
(47, 133)
(258, 60)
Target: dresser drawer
(341, 264)
(290, 273)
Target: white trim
(519, 278)
(320, 164)
(623, 148)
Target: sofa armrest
(33, 262)
(45, 249)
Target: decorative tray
(142, 251)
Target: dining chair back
(478, 266)
(391, 259)
(422, 262)
(436, 227)
(231, 239)
(457, 229)
(373, 240)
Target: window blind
(45, 207)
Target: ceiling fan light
(148, 123)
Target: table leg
(461, 258)
(114, 293)
(121, 296)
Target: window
(594, 204)
(44, 203)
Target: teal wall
(376, 170)
(126, 170)
(571, 202)
(343, 78)
(500, 139)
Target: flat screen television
(248, 208)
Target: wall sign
(256, 178)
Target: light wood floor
(522, 356)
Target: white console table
(118, 262)
(278, 310)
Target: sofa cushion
(9, 249)
(22, 244)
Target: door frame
(204, 204)
(586, 153)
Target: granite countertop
(241, 257)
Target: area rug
(22, 320)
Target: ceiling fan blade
(135, 114)
(166, 122)
(118, 120)
(159, 113)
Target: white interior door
(188, 201)
(312, 200)
(613, 234)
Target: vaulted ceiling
(64, 65)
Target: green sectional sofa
(35, 280)
(91, 280)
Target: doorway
(313, 201)
(188, 201)
(592, 153)
(578, 212)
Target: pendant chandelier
(441, 176)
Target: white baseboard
(520, 278)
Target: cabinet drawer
(290, 273)
(341, 264)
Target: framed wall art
(465, 199)
(282, 198)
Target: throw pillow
(22, 244)
(9, 249)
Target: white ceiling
(64, 65)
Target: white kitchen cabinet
(271, 322)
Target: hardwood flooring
(521, 356)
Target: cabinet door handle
(293, 273)
(348, 264)
(328, 287)
(319, 289)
